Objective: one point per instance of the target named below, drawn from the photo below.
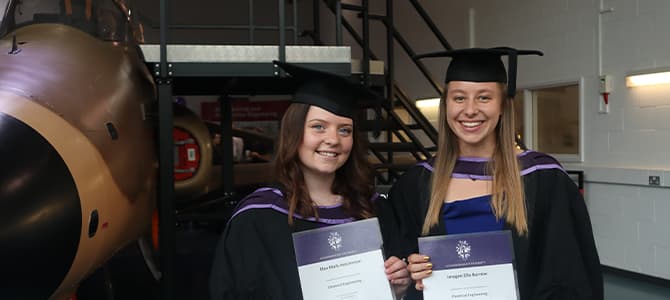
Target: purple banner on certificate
(468, 250)
(335, 241)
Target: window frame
(530, 117)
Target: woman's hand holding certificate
(466, 266)
(343, 262)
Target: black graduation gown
(558, 257)
(255, 258)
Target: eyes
(483, 98)
(344, 130)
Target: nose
(40, 213)
(332, 137)
(471, 108)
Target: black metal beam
(244, 69)
(316, 20)
(366, 44)
(338, 23)
(251, 22)
(390, 64)
(167, 237)
(426, 18)
(295, 22)
(230, 27)
(226, 118)
(282, 32)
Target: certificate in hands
(342, 262)
(470, 266)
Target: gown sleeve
(240, 270)
(562, 243)
(399, 215)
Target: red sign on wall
(244, 110)
(261, 117)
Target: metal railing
(395, 95)
(251, 27)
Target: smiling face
(326, 143)
(473, 110)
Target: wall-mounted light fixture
(427, 103)
(648, 77)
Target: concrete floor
(620, 287)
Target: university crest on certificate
(342, 262)
(475, 266)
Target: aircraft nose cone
(40, 213)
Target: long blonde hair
(507, 199)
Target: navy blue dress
(470, 215)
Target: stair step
(368, 125)
(376, 67)
(396, 167)
(397, 147)
(351, 7)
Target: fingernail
(426, 258)
(429, 265)
(429, 271)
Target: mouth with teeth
(327, 154)
(471, 124)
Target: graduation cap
(329, 91)
(483, 65)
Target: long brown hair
(353, 180)
(508, 198)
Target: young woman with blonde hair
(481, 181)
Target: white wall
(622, 148)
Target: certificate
(474, 266)
(342, 262)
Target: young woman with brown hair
(323, 179)
(296, 172)
(480, 181)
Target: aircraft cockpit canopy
(109, 20)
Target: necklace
(334, 201)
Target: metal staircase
(401, 146)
